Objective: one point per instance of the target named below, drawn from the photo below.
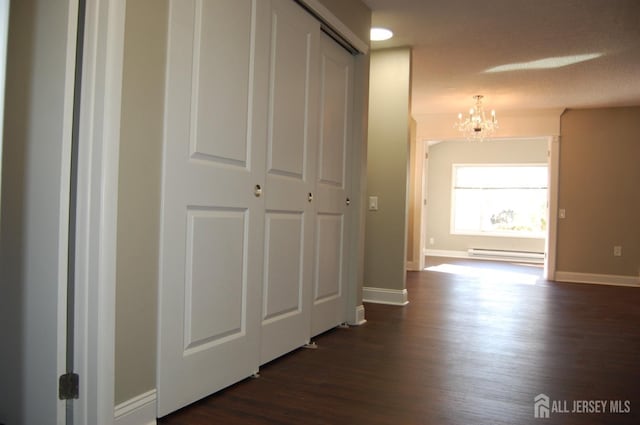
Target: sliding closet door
(290, 176)
(212, 209)
(334, 155)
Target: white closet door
(333, 177)
(290, 176)
(212, 223)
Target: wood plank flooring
(473, 347)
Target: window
(500, 200)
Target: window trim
(452, 209)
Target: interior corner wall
(387, 168)
(598, 189)
(139, 197)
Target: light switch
(373, 203)
(562, 213)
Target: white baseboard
(140, 410)
(385, 296)
(599, 279)
(359, 316)
(465, 254)
(446, 253)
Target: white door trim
(554, 171)
(97, 210)
(4, 33)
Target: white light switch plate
(373, 203)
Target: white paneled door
(332, 187)
(290, 176)
(254, 192)
(212, 205)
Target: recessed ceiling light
(380, 34)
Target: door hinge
(69, 386)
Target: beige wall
(441, 158)
(354, 14)
(599, 189)
(139, 197)
(387, 162)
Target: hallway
(465, 351)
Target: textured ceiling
(454, 43)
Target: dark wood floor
(469, 349)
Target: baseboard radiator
(506, 255)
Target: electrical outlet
(432, 241)
(617, 251)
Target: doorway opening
(493, 230)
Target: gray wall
(441, 158)
(34, 211)
(139, 197)
(599, 177)
(388, 160)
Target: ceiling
(455, 42)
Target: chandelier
(476, 126)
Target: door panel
(289, 83)
(283, 285)
(336, 91)
(290, 176)
(215, 260)
(328, 277)
(212, 224)
(220, 94)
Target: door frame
(553, 146)
(98, 165)
(4, 35)
(97, 208)
(553, 162)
